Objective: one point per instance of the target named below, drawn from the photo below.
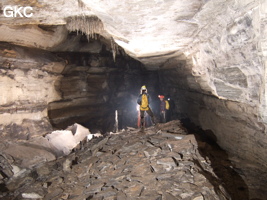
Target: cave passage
(94, 85)
(87, 85)
(75, 66)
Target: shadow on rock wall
(94, 86)
(228, 176)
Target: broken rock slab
(79, 132)
(128, 165)
(28, 155)
(63, 141)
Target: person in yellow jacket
(143, 100)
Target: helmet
(143, 87)
(161, 96)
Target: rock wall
(42, 90)
(93, 87)
(219, 83)
(27, 84)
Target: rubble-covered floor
(163, 162)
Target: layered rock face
(41, 90)
(93, 87)
(27, 86)
(217, 75)
(221, 83)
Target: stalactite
(89, 25)
(81, 4)
(114, 48)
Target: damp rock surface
(154, 164)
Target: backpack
(144, 102)
(167, 105)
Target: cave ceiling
(150, 31)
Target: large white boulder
(63, 141)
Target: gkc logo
(18, 11)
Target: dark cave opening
(94, 85)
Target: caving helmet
(143, 88)
(161, 96)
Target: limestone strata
(93, 87)
(40, 88)
(33, 35)
(222, 76)
(231, 122)
(27, 85)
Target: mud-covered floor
(163, 162)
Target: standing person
(169, 113)
(162, 109)
(143, 100)
(164, 106)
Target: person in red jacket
(162, 109)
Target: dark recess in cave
(224, 169)
(102, 86)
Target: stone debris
(5, 167)
(56, 139)
(28, 155)
(129, 165)
(79, 132)
(18, 158)
(72, 136)
(31, 196)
